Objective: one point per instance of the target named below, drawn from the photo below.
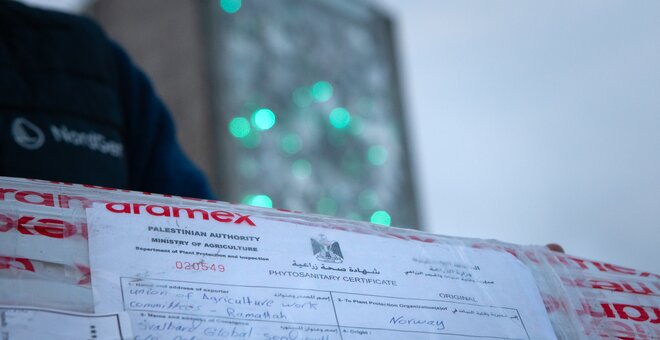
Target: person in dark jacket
(74, 108)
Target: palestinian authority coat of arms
(327, 251)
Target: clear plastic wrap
(44, 259)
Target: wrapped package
(45, 263)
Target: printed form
(35, 323)
(196, 274)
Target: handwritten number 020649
(201, 266)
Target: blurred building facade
(292, 104)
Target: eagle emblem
(327, 251)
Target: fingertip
(555, 247)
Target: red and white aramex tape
(44, 260)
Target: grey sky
(537, 122)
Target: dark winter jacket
(74, 108)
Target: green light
(239, 127)
(302, 97)
(340, 118)
(230, 6)
(262, 201)
(258, 201)
(301, 168)
(377, 155)
(381, 217)
(263, 119)
(291, 143)
(326, 206)
(252, 140)
(322, 91)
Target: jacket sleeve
(155, 159)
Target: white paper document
(197, 274)
(30, 324)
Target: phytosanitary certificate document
(183, 273)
